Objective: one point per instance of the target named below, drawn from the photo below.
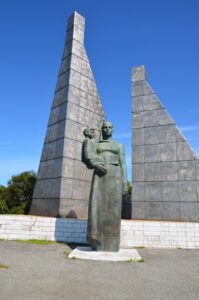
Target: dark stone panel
(50, 169)
(80, 170)
(142, 88)
(179, 136)
(184, 152)
(62, 81)
(171, 211)
(137, 89)
(60, 97)
(188, 191)
(153, 191)
(138, 136)
(189, 211)
(151, 118)
(77, 20)
(170, 191)
(68, 167)
(70, 208)
(55, 131)
(138, 120)
(45, 207)
(47, 188)
(75, 32)
(138, 191)
(168, 152)
(164, 118)
(70, 129)
(152, 172)
(138, 172)
(74, 95)
(66, 190)
(79, 189)
(197, 169)
(151, 135)
(138, 154)
(86, 69)
(154, 210)
(167, 134)
(137, 105)
(150, 100)
(186, 170)
(138, 210)
(152, 153)
(69, 148)
(78, 150)
(74, 78)
(53, 150)
(169, 171)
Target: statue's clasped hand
(100, 169)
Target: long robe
(105, 202)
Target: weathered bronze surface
(107, 158)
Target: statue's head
(107, 129)
(89, 132)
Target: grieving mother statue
(109, 183)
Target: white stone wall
(159, 234)
(17, 227)
(134, 233)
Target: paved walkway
(43, 272)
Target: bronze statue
(107, 158)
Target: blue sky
(163, 35)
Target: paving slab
(43, 272)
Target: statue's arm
(90, 158)
(124, 169)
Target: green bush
(17, 196)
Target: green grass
(140, 247)
(141, 260)
(67, 252)
(36, 242)
(2, 266)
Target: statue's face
(89, 132)
(107, 129)
(92, 132)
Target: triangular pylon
(63, 181)
(165, 168)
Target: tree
(129, 188)
(17, 196)
(3, 194)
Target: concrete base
(122, 255)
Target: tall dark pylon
(63, 181)
(165, 168)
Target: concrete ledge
(134, 233)
(123, 255)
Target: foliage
(17, 196)
(129, 188)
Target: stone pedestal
(130, 255)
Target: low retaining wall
(134, 233)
